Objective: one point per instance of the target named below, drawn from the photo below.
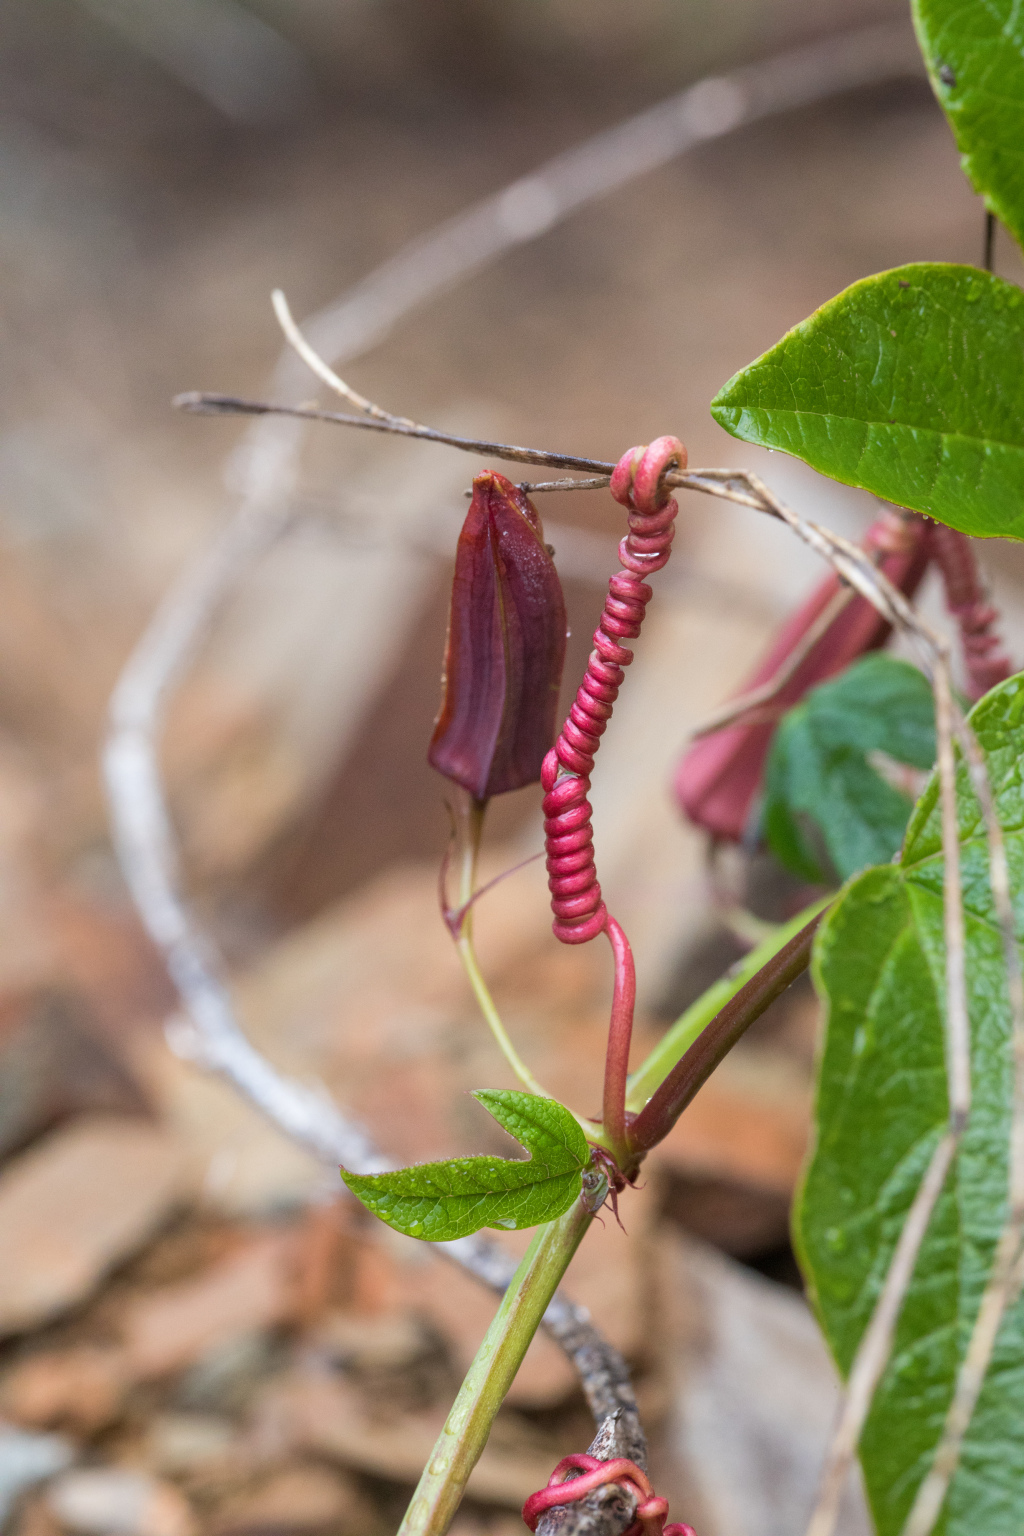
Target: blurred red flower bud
(718, 779)
(505, 648)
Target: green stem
(473, 815)
(468, 1424)
(497, 1360)
(672, 1046)
(470, 965)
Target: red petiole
(620, 1034)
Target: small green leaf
(442, 1201)
(827, 811)
(974, 50)
(909, 384)
(881, 1107)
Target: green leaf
(974, 50)
(441, 1201)
(881, 1108)
(827, 811)
(909, 384)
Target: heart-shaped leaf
(827, 810)
(445, 1200)
(881, 1108)
(974, 50)
(909, 384)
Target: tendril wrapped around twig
(593, 1473)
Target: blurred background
(197, 1335)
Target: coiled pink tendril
(650, 1512)
(580, 914)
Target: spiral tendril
(580, 913)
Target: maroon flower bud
(718, 780)
(505, 647)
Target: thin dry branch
(594, 483)
(322, 369)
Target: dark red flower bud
(718, 779)
(505, 648)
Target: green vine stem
(471, 813)
(499, 1357)
(468, 1425)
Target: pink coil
(580, 914)
(593, 1473)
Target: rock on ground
(26, 1459)
(115, 1501)
(82, 1388)
(753, 1402)
(246, 1292)
(72, 1207)
(307, 1497)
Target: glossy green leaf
(974, 50)
(828, 812)
(441, 1201)
(909, 384)
(881, 1108)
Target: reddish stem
(693, 1069)
(620, 1034)
(967, 600)
(454, 917)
